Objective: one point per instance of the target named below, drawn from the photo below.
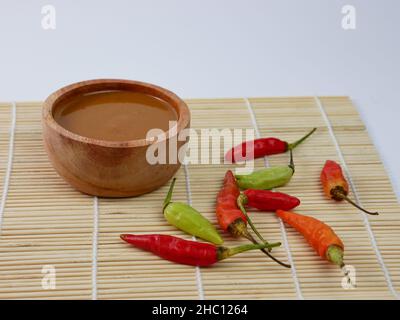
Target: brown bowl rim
(183, 112)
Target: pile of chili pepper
(233, 218)
(189, 220)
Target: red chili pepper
(187, 252)
(335, 185)
(319, 235)
(262, 147)
(227, 211)
(231, 218)
(267, 200)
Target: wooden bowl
(108, 168)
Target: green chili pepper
(188, 219)
(267, 178)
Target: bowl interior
(65, 94)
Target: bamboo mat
(43, 221)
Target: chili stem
(357, 206)
(249, 237)
(291, 164)
(241, 207)
(251, 246)
(168, 197)
(293, 145)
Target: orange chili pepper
(335, 185)
(318, 234)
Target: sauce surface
(114, 115)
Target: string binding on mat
(281, 225)
(199, 281)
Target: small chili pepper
(262, 147)
(335, 185)
(187, 252)
(319, 235)
(267, 200)
(231, 218)
(267, 178)
(188, 219)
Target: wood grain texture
(46, 222)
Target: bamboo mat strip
(356, 197)
(45, 222)
(199, 281)
(281, 225)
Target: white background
(207, 48)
